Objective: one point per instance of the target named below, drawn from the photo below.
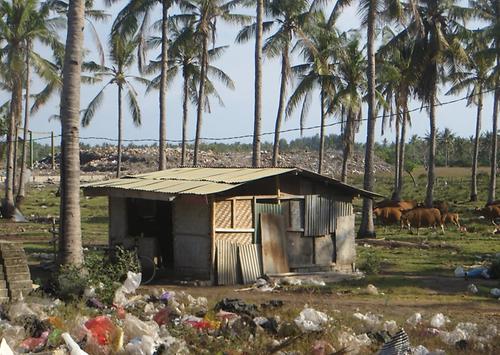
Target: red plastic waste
(101, 328)
(162, 317)
(34, 344)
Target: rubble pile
(145, 158)
(169, 322)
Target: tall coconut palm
(122, 56)
(476, 78)
(489, 12)
(258, 85)
(70, 242)
(134, 18)
(437, 46)
(318, 47)
(205, 14)
(184, 57)
(350, 91)
(20, 23)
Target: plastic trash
(459, 272)
(439, 320)
(143, 345)
(310, 320)
(5, 348)
(398, 344)
(371, 290)
(390, 326)
(237, 306)
(451, 338)
(19, 309)
(472, 289)
(73, 347)
(101, 328)
(476, 272)
(130, 285)
(163, 316)
(165, 296)
(370, 320)
(495, 292)
(420, 350)
(353, 342)
(415, 319)
(322, 347)
(34, 344)
(134, 327)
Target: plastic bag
(420, 350)
(20, 309)
(163, 316)
(459, 272)
(495, 292)
(310, 320)
(144, 345)
(34, 344)
(353, 342)
(130, 285)
(371, 320)
(472, 289)
(415, 319)
(101, 328)
(390, 326)
(73, 347)
(438, 320)
(5, 348)
(134, 327)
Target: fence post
(53, 150)
(31, 150)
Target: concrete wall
(117, 211)
(192, 242)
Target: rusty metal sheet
(317, 216)
(227, 263)
(274, 255)
(250, 257)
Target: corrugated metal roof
(205, 181)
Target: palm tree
(350, 90)
(437, 46)
(489, 12)
(20, 23)
(134, 18)
(122, 57)
(258, 85)
(318, 47)
(184, 57)
(476, 78)
(70, 242)
(204, 14)
(446, 138)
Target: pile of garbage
(137, 159)
(174, 322)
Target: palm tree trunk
(396, 153)
(431, 174)
(473, 186)
(256, 160)
(347, 145)
(8, 205)
(70, 243)
(402, 145)
(285, 63)
(367, 229)
(21, 188)
(322, 132)
(201, 98)
(494, 146)
(120, 132)
(162, 164)
(185, 99)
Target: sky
(236, 117)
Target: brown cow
(402, 205)
(442, 206)
(388, 215)
(422, 217)
(449, 217)
(492, 212)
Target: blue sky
(236, 118)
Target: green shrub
(371, 265)
(104, 273)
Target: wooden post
(16, 141)
(31, 150)
(212, 237)
(53, 150)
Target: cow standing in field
(452, 218)
(388, 215)
(402, 205)
(422, 217)
(491, 212)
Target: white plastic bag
(73, 347)
(420, 350)
(310, 320)
(130, 285)
(495, 292)
(5, 348)
(438, 320)
(371, 320)
(144, 345)
(133, 327)
(415, 319)
(459, 272)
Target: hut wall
(234, 220)
(192, 241)
(117, 211)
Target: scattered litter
(390, 326)
(5, 348)
(370, 320)
(371, 290)
(495, 292)
(472, 289)
(322, 347)
(398, 344)
(439, 320)
(73, 347)
(310, 320)
(131, 284)
(415, 319)
(237, 306)
(353, 342)
(459, 272)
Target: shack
(232, 225)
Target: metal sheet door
(274, 255)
